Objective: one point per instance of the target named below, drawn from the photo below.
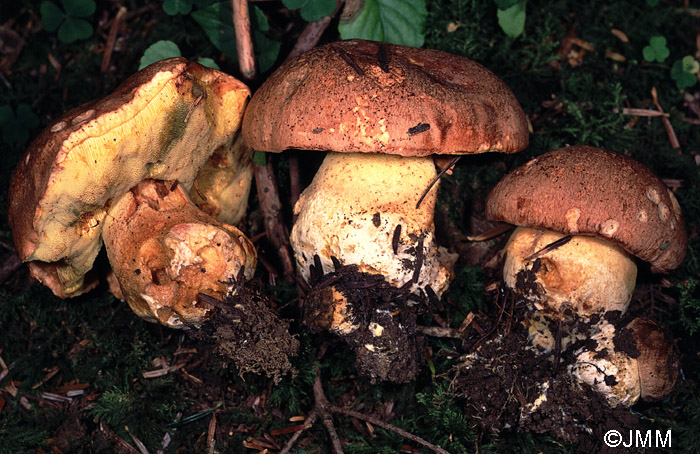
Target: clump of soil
(375, 318)
(246, 330)
(508, 385)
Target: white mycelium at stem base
(611, 373)
(361, 209)
(588, 275)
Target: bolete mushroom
(164, 252)
(584, 213)
(636, 361)
(162, 123)
(222, 186)
(381, 111)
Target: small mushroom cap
(161, 123)
(658, 360)
(583, 190)
(364, 96)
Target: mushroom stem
(585, 274)
(353, 209)
(165, 252)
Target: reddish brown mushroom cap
(363, 96)
(591, 191)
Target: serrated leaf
(74, 29)
(392, 21)
(174, 7)
(51, 16)
(315, 10)
(512, 20)
(79, 8)
(159, 51)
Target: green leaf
(51, 16)
(392, 21)
(505, 4)
(512, 20)
(260, 158)
(79, 8)
(315, 10)
(649, 53)
(690, 64)
(159, 51)
(11, 130)
(26, 116)
(294, 4)
(652, 2)
(656, 50)
(215, 20)
(208, 62)
(74, 29)
(174, 7)
(684, 79)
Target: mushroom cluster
(583, 215)
(380, 111)
(118, 170)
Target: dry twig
(244, 40)
(112, 39)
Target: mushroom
(584, 213)
(381, 111)
(162, 123)
(222, 186)
(637, 361)
(165, 252)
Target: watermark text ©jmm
(638, 439)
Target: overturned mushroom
(162, 123)
(595, 209)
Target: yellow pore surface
(166, 131)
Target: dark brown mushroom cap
(364, 96)
(590, 191)
(658, 359)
